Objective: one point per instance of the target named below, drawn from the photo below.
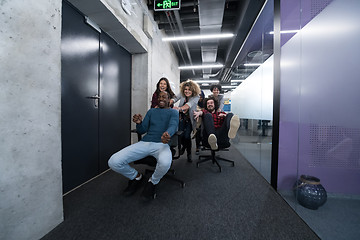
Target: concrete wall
(30, 104)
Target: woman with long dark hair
(162, 85)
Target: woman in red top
(162, 85)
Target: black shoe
(133, 186)
(182, 150)
(149, 191)
(189, 158)
(197, 152)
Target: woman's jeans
(186, 127)
(119, 162)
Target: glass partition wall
(319, 137)
(253, 98)
(318, 170)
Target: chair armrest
(138, 134)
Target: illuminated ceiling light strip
(228, 86)
(207, 81)
(237, 80)
(198, 37)
(286, 31)
(201, 66)
(252, 64)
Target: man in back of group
(159, 125)
(219, 127)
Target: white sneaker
(234, 126)
(212, 140)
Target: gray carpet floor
(237, 203)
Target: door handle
(96, 98)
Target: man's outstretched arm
(173, 123)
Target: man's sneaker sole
(234, 126)
(212, 140)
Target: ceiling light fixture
(286, 31)
(237, 80)
(201, 66)
(206, 81)
(198, 37)
(229, 86)
(252, 64)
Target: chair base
(169, 175)
(214, 159)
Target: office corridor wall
(30, 137)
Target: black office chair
(151, 161)
(213, 157)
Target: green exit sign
(165, 5)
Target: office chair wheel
(182, 185)
(154, 196)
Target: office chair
(213, 157)
(151, 161)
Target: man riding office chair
(159, 125)
(218, 129)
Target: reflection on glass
(253, 98)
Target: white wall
(30, 104)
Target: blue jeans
(186, 127)
(119, 162)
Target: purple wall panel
(319, 121)
(294, 19)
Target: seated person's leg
(228, 130)
(209, 137)
(222, 132)
(198, 139)
(234, 126)
(164, 159)
(163, 155)
(187, 137)
(119, 162)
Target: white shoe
(234, 126)
(212, 140)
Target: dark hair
(216, 102)
(168, 88)
(218, 86)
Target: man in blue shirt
(159, 125)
